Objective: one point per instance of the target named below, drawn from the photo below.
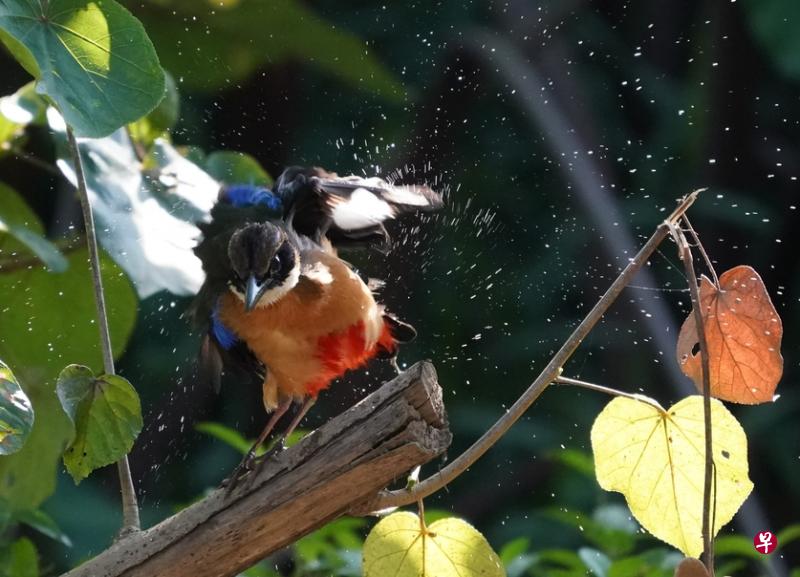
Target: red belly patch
(345, 350)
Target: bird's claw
(242, 469)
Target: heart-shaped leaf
(400, 545)
(93, 59)
(107, 416)
(656, 458)
(743, 332)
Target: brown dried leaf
(691, 567)
(744, 333)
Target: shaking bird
(279, 302)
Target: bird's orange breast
(313, 334)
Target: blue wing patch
(223, 335)
(242, 195)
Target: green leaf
(93, 59)
(163, 117)
(107, 416)
(16, 413)
(19, 221)
(514, 549)
(56, 314)
(225, 434)
(22, 54)
(735, 545)
(788, 534)
(236, 168)
(659, 562)
(20, 559)
(610, 529)
(231, 44)
(44, 524)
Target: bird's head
(264, 262)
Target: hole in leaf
(696, 349)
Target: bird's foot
(259, 462)
(242, 469)
(278, 447)
(395, 366)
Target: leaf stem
(609, 391)
(130, 508)
(686, 256)
(430, 485)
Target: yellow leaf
(656, 458)
(400, 546)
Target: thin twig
(702, 250)
(686, 257)
(609, 391)
(400, 497)
(130, 508)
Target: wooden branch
(346, 461)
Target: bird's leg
(247, 463)
(279, 445)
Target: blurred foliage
(16, 413)
(660, 99)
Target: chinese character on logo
(765, 542)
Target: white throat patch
(273, 295)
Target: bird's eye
(276, 263)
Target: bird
(279, 301)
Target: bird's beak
(253, 292)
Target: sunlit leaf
(16, 413)
(656, 459)
(56, 314)
(236, 168)
(107, 416)
(691, 567)
(16, 111)
(93, 59)
(743, 331)
(231, 44)
(146, 221)
(19, 221)
(399, 545)
(25, 106)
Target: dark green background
(525, 111)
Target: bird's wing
(349, 210)
(222, 350)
